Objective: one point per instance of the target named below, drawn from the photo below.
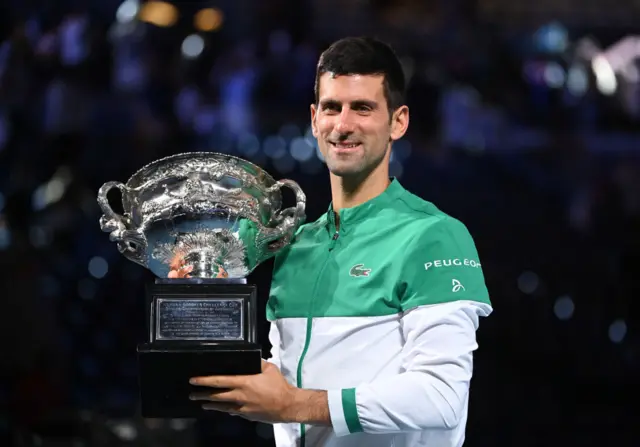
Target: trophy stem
(204, 265)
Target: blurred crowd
(512, 131)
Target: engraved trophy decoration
(218, 217)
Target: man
(374, 306)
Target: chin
(346, 171)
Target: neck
(347, 192)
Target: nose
(345, 123)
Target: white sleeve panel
(433, 389)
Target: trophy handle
(111, 222)
(131, 243)
(288, 219)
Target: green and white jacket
(382, 314)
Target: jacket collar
(350, 216)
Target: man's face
(352, 124)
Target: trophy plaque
(215, 218)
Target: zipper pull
(334, 238)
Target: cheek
(379, 134)
(321, 141)
(324, 126)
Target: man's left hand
(264, 397)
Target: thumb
(267, 366)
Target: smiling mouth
(344, 145)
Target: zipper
(334, 238)
(307, 340)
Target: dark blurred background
(525, 125)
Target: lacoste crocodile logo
(359, 270)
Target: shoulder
(426, 222)
(440, 263)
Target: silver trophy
(216, 213)
(215, 218)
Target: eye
(362, 108)
(331, 109)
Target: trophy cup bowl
(217, 217)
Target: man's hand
(265, 397)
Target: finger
(225, 407)
(230, 382)
(216, 396)
(172, 274)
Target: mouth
(345, 146)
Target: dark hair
(364, 56)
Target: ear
(399, 122)
(314, 127)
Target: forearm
(430, 394)
(407, 402)
(309, 407)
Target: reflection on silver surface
(211, 253)
(218, 214)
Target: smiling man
(374, 307)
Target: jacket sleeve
(432, 390)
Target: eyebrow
(354, 104)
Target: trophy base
(197, 327)
(165, 372)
